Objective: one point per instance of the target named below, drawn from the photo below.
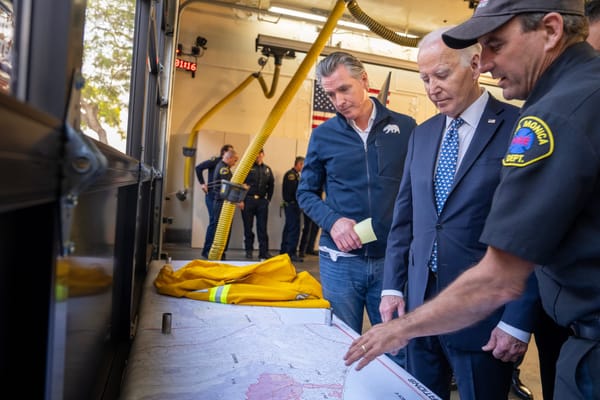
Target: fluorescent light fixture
(408, 35)
(355, 25)
(370, 58)
(297, 14)
(319, 18)
(314, 17)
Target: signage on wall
(196, 51)
(185, 65)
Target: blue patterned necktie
(444, 175)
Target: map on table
(229, 352)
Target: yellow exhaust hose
(190, 150)
(249, 157)
(379, 29)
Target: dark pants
(258, 208)
(209, 199)
(577, 370)
(291, 229)
(309, 235)
(479, 375)
(549, 338)
(212, 229)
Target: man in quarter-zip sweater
(357, 159)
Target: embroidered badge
(224, 171)
(291, 177)
(531, 142)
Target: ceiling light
(320, 18)
(298, 14)
(408, 35)
(314, 17)
(354, 25)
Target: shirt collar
(474, 112)
(371, 119)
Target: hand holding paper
(364, 230)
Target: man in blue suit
(432, 241)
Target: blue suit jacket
(416, 224)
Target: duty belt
(587, 329)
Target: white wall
(231, 58)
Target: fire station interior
(85, 218)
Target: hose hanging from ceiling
(377, 28)
(247, 160)
(189, 151)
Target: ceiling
(410, 16)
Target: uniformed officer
(256, 204)
(207, 186)
(291, 229)
(222, 172)
(545, 215)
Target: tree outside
(108, 49)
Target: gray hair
(466, 54)
(327, 66)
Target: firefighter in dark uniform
(256, 204)
(545, 216)
(552, 184)
(208, 186)
(222, 172)
(291, 229)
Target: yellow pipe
(249, 157)
(190, 150)
(268, 94)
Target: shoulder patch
(224, 171)
(531, 142)
(291, 176)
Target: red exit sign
(186, 65)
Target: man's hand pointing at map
(381, 338)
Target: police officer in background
(222, 172)
(256, 204)
(208, 186)
(291, 229)
(308, 237)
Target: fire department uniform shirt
(547, 207)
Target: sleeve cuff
(515, 332)
(391, 292)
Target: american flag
(322, 107)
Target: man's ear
(475, 61)
(365, 80)
(553, 27)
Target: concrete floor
(529, 368)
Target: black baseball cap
(492, 14)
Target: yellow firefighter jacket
(273, 282)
